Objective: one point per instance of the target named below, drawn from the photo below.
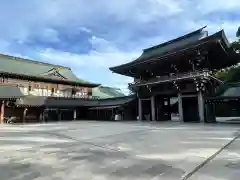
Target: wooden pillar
(169, 109)
(209, 113)
(24, 114)
(180, 107)
(74, 114)
(41, 117)
(153, 110)
(140, 114)
(43, 114)
(201, 106)
(113, 118)
(2, 112)
(97, 118)
(59, 113)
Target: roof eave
(214, 37)
(92, 85)
(116, 68)
(198, 31)
(51, 80)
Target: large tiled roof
(177, 43)
(104, 92)
(165, 48)
(232, 91)
(227, 92)
(113, 102)
(216, 43)
(36, 101)
(29, 68)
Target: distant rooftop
(104, 92)
(29, 68)
(31, 61)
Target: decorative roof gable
(40, 70)
(54, 72)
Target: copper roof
(24, 68)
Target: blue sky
(92, 35)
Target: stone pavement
(225, 166)
(88, 150)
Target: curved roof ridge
(219, 34)
(32, 61)
(175, 40)
(103, 86)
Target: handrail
(170, 78)
(217, 79)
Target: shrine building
(183, 68)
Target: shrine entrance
(163, 108)
(190, 109)
(184, 67)
(146, 110)
(156, 108)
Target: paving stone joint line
(210, 158)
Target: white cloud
(207, 6)
(23, 17)
(84, 29)
(4, 45)
(120, 43)
(230, 27)
(144, 11)
(104, 55)
(50, 35)
(96, 61)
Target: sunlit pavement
(119, 150)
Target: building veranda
(184, 68)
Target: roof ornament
(198, 52)
(174, 68)
(175, 84)
(149, 88)
(54, 72)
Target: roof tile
(20, 66)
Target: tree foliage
(230, 75)
(236, 44)
(238, 33)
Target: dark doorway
(146, 109)
(163, 111)
(66, 114)
(190, 109)
(51, 115)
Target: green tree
(238, 34)
(230, 75)
(236, 44)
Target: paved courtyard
(87, 150)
